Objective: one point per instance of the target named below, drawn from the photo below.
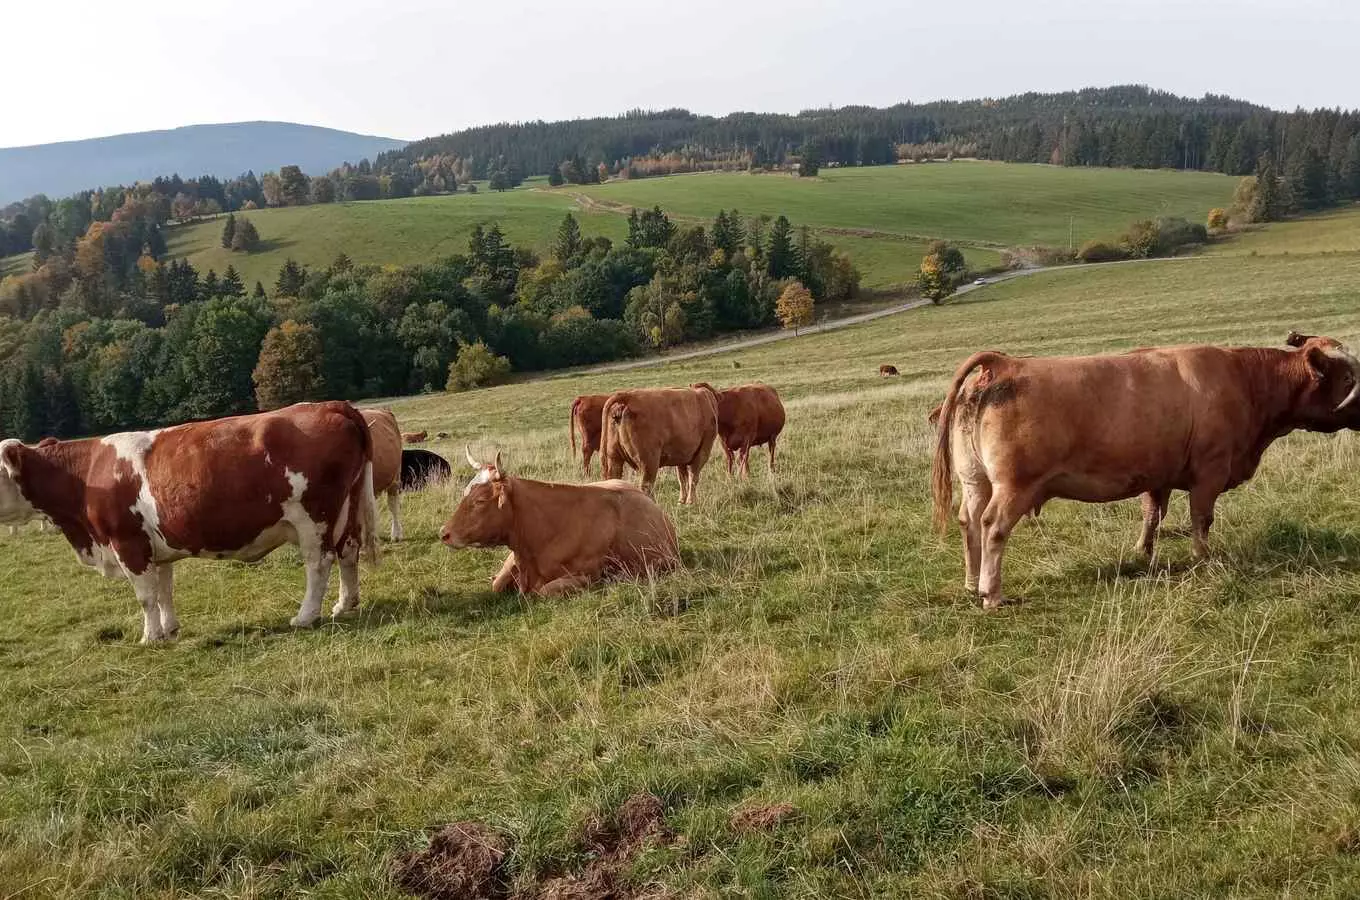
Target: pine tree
(229, 231)
(555, 176)
(210, 287)
(1308, 180)
(291, 279)
(780, 258)
(1350, 170)
(258, 293)
(568, 243)
(232, 285)
(246, 239)
(1266, 204)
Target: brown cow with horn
(749, 415)
(562, 537)
(1097, 428)
(585, 416)
(654, 427)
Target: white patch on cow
(294, 526)
(103, 560)
(13, 507)
(482, 477)
(133, 446)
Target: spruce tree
(229, 231)
(568, 243)
(232, 285)
(780, 259)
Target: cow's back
(218, 485)
(676, 422)
(1146, 413)
(387, 448)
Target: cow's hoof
(990, 604)
(300, 622)
(341, 609)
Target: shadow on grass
(1285, 542)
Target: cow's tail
(571, 425)
(362, 498)
(942, 473)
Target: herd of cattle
(1014, 431)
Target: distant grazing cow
(886, 370)
(1101, 428)
(749, 415)
(414, 437)
(562, 537)
(387, 439)
(442, 436)
(132, 504)
(421, 468)
(655, 427)
(585, 416)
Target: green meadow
(1169, 730)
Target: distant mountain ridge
(224, 150)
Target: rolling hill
(882, 216)
(223, 150)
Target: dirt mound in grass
(612, 845)
(763, 817)
(467, 860)
(464, 861)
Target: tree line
(106, 334)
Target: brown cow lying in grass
(1099, 428)
(562, 537)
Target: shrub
(1140, 241)
(1174, 232)
(1218, 219)
(476, 366)
(1100, 251)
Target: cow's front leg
(1202, 500)
(318, 565)
(165, 600)
(507, 577)
(147, 587)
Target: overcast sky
(414, 68)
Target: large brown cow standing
(132, 504)
(1101, 428)
(386, 437)
(585, 416)
(562, 537)
(749, 415)
(655, 427)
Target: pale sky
(415, 68)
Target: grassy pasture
(1189, 730)
(883, 217)
(21, 262)
(1333, 231)
(991, 203)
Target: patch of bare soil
(612, 846)
(464, 861)
(762, 817)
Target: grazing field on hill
(997, 203)
(883, 217)
(1184, 730)
(15, 265)
(396, 232)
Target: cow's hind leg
(147, 587)
(318, 564)
(1154, 511)
(165, 600)
(349, 585)
(394, 507)
(771, 445)
(1005, 509)
(565, 585)
(971, 507)
(746, 460)
(727, 452)
(686, 478)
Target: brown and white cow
(585, 416)
(387, 440)
(749, 415)
(132, 504)
(562, 537)
(654, 427)
(885, 370)
(1099, 428)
